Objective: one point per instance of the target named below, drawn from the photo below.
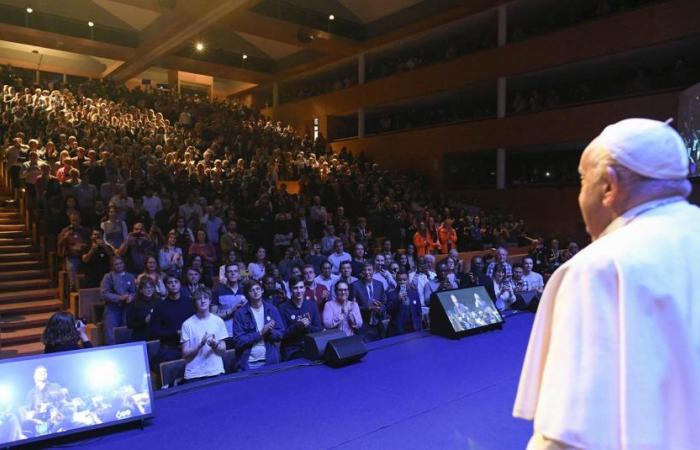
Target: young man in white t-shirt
(202, 338)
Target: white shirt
(328, 283)
(258, 352)
(206, 362)
(534, 281)
(614, 356)
(335, 260)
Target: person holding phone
(64, 333)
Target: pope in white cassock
(613, 360)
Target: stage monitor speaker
(315, 343)
(460, 312)
(344, 351)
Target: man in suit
(371, 298)
(403, 304)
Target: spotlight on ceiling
(29, 10)
(91, 23)
(199, 46)
(244, 56)
(331, 17)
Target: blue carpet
(412, 392)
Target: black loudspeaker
(315, 343)
(460, 312)
(344, 351)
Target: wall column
(174, 80)
(361, 68)
(275, 94)
(502, 25)
(500, 168)
(361, 123)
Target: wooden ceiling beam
(55, 41)
(172, 29)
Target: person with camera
(403, 305)
(300, 317)
(72, 241)
(64, 333)
(118, 289)
(136, 248)
(96, 259)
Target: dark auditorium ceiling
(279, 38)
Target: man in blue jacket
(300, 317)
(371, 298)
(257, 330)
(403, 304)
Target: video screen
(469, 308)
(43, 396)
(689, 125)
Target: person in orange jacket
(447, 236)
(423, 241)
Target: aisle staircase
(27, 299)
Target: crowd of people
(174, 207)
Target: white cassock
(613, 360)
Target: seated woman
(257, 330)
(138, 312)
(64, 333)
(341, 313)
(500, 289)
(150, 270)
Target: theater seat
(152, 347)
(122, 335)
(230, 361)
(172, 372)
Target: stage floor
(416, 391)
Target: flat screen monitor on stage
(459, 312)
(61, 393)
(688, 125)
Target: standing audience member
(118, 289)
(403, 305)
(300, 317)
(202, 337)
(140, 311)
(167, 319)
(257, 330)
(342, 313)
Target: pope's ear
(611, 187)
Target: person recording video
(64, 333)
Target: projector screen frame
(140, 419)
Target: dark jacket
(404, 318)
(294, 331)
(246, 334)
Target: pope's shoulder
(646, 240)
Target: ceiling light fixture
(199, 46)
(29, 10)
(91, 23)
(245, 56)
(331, 17)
